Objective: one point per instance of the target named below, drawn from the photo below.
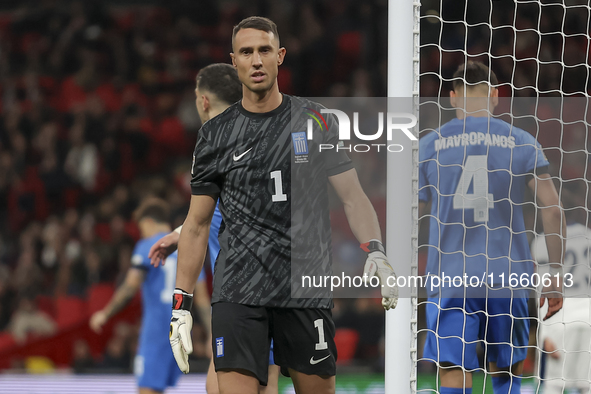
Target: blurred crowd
(97, 110)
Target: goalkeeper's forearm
(192, 249)
(362, 219)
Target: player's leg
(312, 384)
(577, 359)
(272, 386)
(508, 329)
(451, 341)
(304, 347)
(237, 381)
(240, 347)
(506, 380)
(554, 387)
(211, 381)
(145, 390)
(552, 334)
(453, 377)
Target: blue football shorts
(155, 366)
(456, 325)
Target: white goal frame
(402, 192)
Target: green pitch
(426, 384)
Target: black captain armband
(373, 246)
(181, 300)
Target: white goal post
(402, 186)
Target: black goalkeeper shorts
(303, 339)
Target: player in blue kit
(474, 171)
(217, 88)
(154, 367)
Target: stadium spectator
(28, 320)
(82, 360)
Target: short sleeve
(424, 190)
(337, 161)
(424, 160)
(537, 159)
(205, 178)
(139, 257)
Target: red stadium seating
(98, 296)
(346, 340)
(69, 310)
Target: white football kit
(569, 330)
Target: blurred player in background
(244, 157)
(566, 336)
(154, 366)
(218, 87)
(474, 171)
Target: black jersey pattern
(273, 200)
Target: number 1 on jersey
(480, 200)
(278, 195)
(169, 269)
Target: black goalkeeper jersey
(273, 188)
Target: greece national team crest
(300, 146)
(219, 347)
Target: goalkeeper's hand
(377, 264)
(180, 329)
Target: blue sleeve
(214, 232)
(424, 160)
(536, 158)
(139, 258)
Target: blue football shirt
(157, 291)
(474, 173)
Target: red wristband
(373, 246)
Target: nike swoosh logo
(313, 362)
(238, 157)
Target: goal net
(539, 51)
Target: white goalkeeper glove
(377, 264)
(180, 328)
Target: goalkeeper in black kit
(252, 159)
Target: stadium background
(97, 111)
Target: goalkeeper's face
(257, 57)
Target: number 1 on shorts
(322, 344)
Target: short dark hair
(153, 208)
(258, 23)
(222, 80)
(473, 73)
